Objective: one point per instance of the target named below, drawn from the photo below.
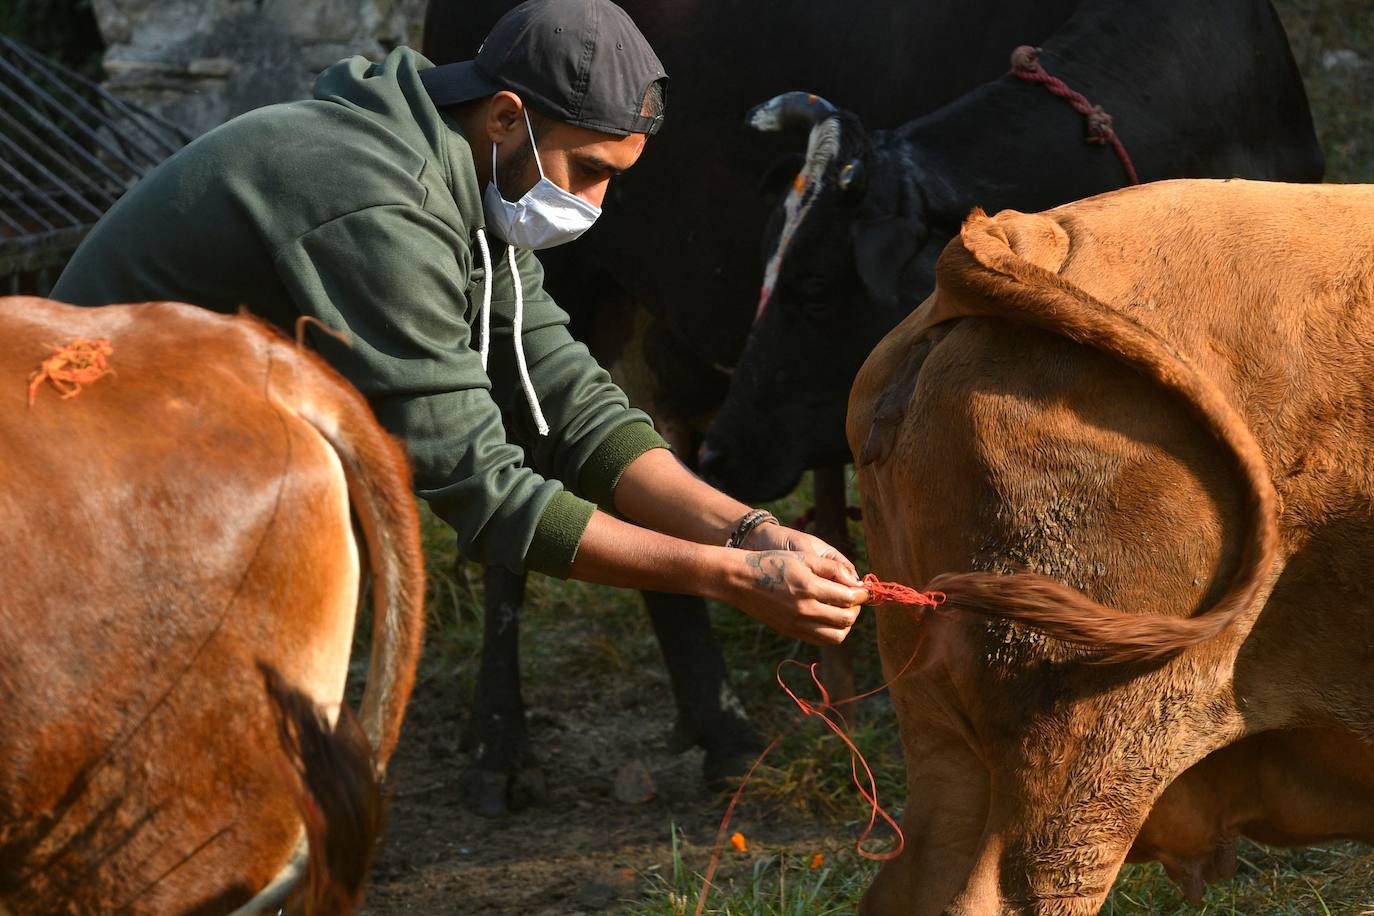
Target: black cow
(679, 238)
(1196, 88)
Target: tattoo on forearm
(770, 566)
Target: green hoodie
(361, 208)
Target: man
(379, 208)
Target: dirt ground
(581, 850)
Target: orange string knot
(72, 366)
(880, 592)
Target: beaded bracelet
(746, 525)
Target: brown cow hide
(1141, 430)
(175, 525)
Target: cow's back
(1267, 288)
(165, 530)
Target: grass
(1341, 94)
(774, 884)
(1335, 881)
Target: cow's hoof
(682, 738)
(528, 787)
(723, 769)
(496, 793)
(486, 792)
(731, 748)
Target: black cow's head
(848, 253)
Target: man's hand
(799, 594)
(779, 537)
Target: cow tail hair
(379, 489)
(338, 796)
(988, 277)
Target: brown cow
(176, 527)
(1156, 400)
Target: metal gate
(68, 151)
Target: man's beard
(513, 171)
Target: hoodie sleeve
(390, 276)
(593, 432)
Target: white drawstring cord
(484, 316)
(539, 422)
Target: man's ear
(505, 114)
(885, 249)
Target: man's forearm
(658, 492)
(798, 594)
(613, 552)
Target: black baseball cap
(583, 62)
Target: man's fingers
(819, 613)
(835, 570)
(826, 636)
(822, 549)
(839, 595)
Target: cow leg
(710, 715)
(832, 526)
(506, 775)
(942, 822)
(947, 783)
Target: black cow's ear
(884, 249)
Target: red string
(1025, 64)
(879, 592)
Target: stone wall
(200, 62)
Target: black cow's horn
(788, 109)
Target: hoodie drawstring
(540, 423)
(485, 315)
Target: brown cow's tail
(379, 489)
(338, 797)
(987, 277)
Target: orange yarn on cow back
(72, 366)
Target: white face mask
(544, 217)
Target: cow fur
(173, 527)
(1139, 426)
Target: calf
(1157, 401)
(169, 531)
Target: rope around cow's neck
(1025, 64)
(879, 593)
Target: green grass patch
(776, 883)
(1324, 34)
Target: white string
(539, 422)
(484, 316)
(533, 146)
